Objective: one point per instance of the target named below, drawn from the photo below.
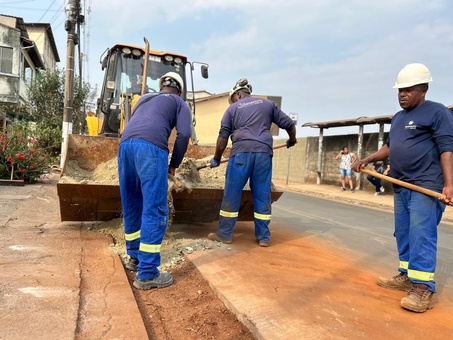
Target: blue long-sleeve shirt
(154, 120)
(416, 140)
(248, 122)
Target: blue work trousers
(257, 168)
(143, 173)
(416, 219)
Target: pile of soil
(107, 173)
(174, 245)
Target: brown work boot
(262, 243)
(419, 298)
(218, 238)
(132, 264)
(398, 282)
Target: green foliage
(46, 107)
(20, 156)
(41, 119)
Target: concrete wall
(304, 159)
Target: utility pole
(70, 27)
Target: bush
(21, 157)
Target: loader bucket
(93, 201)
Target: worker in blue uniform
(420, 146)
(248, 122)
(143, 172)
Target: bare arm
(446, 161)
(220, 147)
(292, 136)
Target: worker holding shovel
(420, 148)
(248, 122)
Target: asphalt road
(365, 232)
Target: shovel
(404, 184)
(226, 160)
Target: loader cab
(123, 65)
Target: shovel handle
(226, 160)
(404, 184)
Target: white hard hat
(241, 84)
(411, 75)
(166, 80)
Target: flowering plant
(21, 157)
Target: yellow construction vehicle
(130, 72)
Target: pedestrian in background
(381, 167)
(420, 146)
(248, 122)
(346, 160)
(143, 172)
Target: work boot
(218, 238)
(262, 243)
(419, 298)
(132, 264)
(161, 281)
(398, 282)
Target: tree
(46, 107)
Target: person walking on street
(420, 146)
(381, 167)
(248, 122)
(346, 160)
(143, 172)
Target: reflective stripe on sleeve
(133, 236)
(150, 248)
(264, 217)
(224, 213)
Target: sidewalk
(60, 282)
(57, 280)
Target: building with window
(24, 50)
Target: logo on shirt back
(255, 102)
(410, 126)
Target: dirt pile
(107, 173)
(174, 245)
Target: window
(6, 59)
(27, 72)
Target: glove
(214, 163)
(290, 143)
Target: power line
(42, 16)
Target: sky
(327, 59)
